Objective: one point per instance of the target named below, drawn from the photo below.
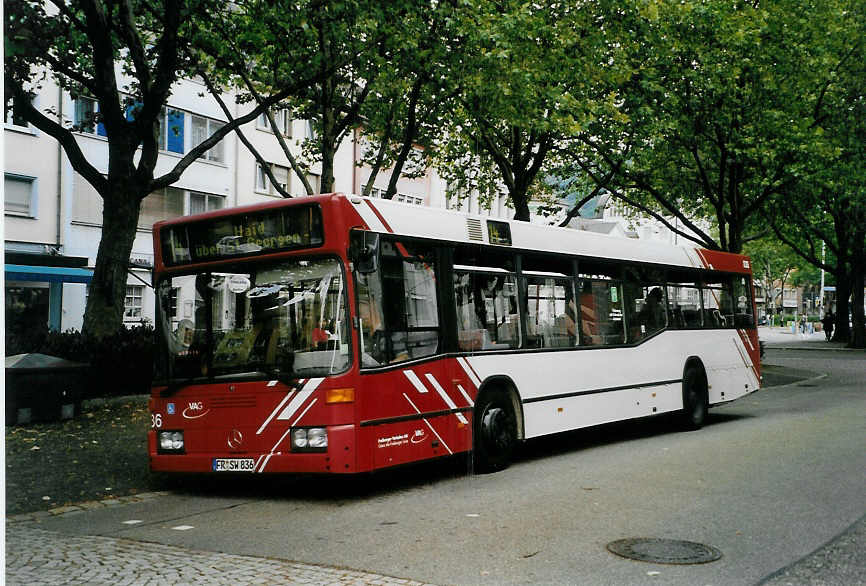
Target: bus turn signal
(340, 396)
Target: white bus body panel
(619, 383)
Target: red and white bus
(342, 334)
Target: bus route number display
(242, 235)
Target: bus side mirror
(364, 252)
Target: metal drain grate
(664, 551)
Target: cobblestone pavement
(36, 556)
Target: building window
(406, 198)
(11, 117)
(161, 205)
(20, 195)
(282, 117)
(132, 304)
(84, 117)
(263, 183)
(171, 130)
(202, 129)
(205, 202)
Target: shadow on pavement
(775, 376)
(410, 476)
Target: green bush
(121, 364)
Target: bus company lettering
(195, 410)
(394, 440)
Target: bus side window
(601, 313)
(549, 312)
(646, 310)
(742, 303)
(487, 317)
(372, 324)
(684, 306)
(718, 312)
(397, 307)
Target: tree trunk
(858, 333)
(103, 315)
(520, 201)
(842, 333)
(328, 152)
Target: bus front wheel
(695, 398)
(494, 431)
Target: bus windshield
(285, 318)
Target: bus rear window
(242, 235)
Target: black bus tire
(695, 398)
(494, 430)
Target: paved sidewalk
(784, 339)
(841, 561)
(35, 556)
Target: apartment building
(53, 217)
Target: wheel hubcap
(494, 427)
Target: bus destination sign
(244, 235)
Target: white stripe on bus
(300, 398)
(274, 412)
(313, 402)
(465, 395)
(370, 218)
(265, 463)
(446, 398)
(428, 424)
(416, 382)
(469, 372)
(279, 441)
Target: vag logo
(418, 436)
(194, 410)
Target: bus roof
(391, 217)
(387, 216)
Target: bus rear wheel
(494, 432)
(695, 398)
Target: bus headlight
(309, 439)
(169, 441)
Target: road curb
(803, 570)
(772, 346)
(77, 508)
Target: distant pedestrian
(828, 322)
(803, 325)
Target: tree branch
(266, 166)
(128, 32)
(62, 135)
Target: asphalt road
(770, 479)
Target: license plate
(234, 464)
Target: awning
(49, 274)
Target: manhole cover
(664, 551)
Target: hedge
(121, 364)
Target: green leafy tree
(350, 47)
(773, 266)
(412, 96)
(723, 112)
(531, 79)
(827, 210)
(127, 57)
